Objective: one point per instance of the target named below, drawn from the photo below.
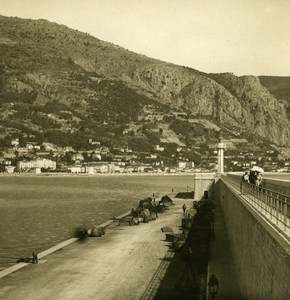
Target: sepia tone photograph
(144, 150)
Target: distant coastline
(97, 174)
(265, 175)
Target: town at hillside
(47, 158)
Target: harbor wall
(203, 182)
(261, 258)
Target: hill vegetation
(66, 87)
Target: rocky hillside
(278, 86)
(61, 85)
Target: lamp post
(213, 286)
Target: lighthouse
(221, 148)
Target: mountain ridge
(48, 64)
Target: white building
(77, 169)
(34, 164)
(185, 164)
(159, 148)
(9, 169)
(90, 170)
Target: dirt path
(119, 265)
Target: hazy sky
(239, 36)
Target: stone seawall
(203, 182)
(262, 263)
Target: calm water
(278, 176)
(38, 212)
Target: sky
(245, 37)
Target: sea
(38, 212)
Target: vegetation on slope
(65, 87)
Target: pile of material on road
(186, 222)
(146, 211)
(177, 239)
(128, 220)
(81, 233)
(166, 201)
(185, 195)
(96, 231)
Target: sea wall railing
(273, 205)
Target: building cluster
(270, 160)
(47, 157)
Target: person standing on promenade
(34, 257)
(245, 179)
(252, 177)
(259, 179)
(184, 208)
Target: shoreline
(94, 175)
(56, 174)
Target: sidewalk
(221, 261)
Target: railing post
(251, 194)
(258, 201)
(288, 212)
(265, 202)
(271, 205)
(285, 213)
(277, 209)
(261, 197)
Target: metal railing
(273, 205)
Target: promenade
(119, 265)
(128, 262)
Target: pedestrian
(34, 257)
(259, 181)
(184, 208)
(245, 179)
(252, 177)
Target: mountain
(65, 87)
(278, 86)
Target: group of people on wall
(254, 176)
